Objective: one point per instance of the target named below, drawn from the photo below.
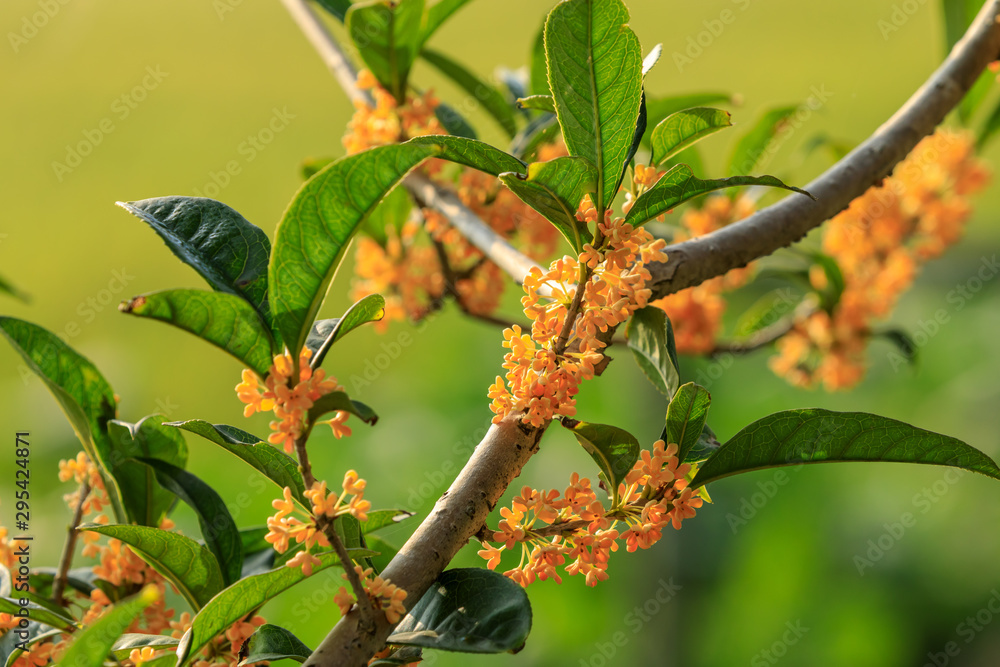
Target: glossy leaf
(91, 647)
(189, 566)
(753, 145)
(679, 185)
(146, 501)
(614, 450)
(217, 526)
(795, 437)
(470, 610)
(491, 98)
(368, 309)
(658, 108)
(382, 518)
(388, 38)
(686, 415)
(686, 128)
(224, 320)
(595, 73)
(37, 613)
(475, 154)
(538, 103)
(84, 395)
(220, 244)
(436, 16)
(132, 640)
(339, 401)
(270, 462)
(638, 133)
(273, 642)
(336, 7)
(706, 446)
(651, 339)
(555, 189)
(989, 129)
(243, 597)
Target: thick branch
(693, 262)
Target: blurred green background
(738, 587)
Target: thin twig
(69, 549)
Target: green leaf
(613, 449)
(38, 613)
(216, 241)
(555, 189)
(323, 216)
(903, 342)
(640, 131)
(651, 339)
(794, 437)
(81, 391)
(538, 103)
(595, 73)
(11, 643)
(491, 98)
(686, 415)
(336, 7)
(679, 185)
(189, 566)
(834, 278)
(368, 309)
(384, 552)
(90, 648)
(272, 642)
(753, 145)
(146, 501)
(437, 14)
(382, 518)
(273, 464)
(470, 610)
(539, 77)
(244, 596)
(989, 128)
(339, 401)
(658, 108)
(392, 212)
(454, 122)
(9, 288)
(388, 37)
(217, 526)
(132, 640)
(310, 166)
(224, 320)
(768, 310)
(686, 128)
(706, 446)
(540, 130)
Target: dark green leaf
(216, 241)
(382, 518)
(339, 401)
(8, 288)
(336, 7)
(312, 165)
(686, 128)
(217, 526)
(38, 613)
(404, 655)
(273, 464)
(388, 37)
(491, 98)
(958, 15)
(124, 644)
(707, 445)
(146, 501)
(471, 153)
(252, 539)
(11, 643)
(595, 73)
(753, 145)
(555, 189)
(91, 647)
(470, 610)
(640, 132)
(903, 342)
(189, 566)
(224, 320)
(272, 642)
(539, 77)
(989, 128)
(454, 122)
(686, 415)
(368, 309)
(244, 596)
(392, 212)
(651, 339)
(613, 449)
(437, 14)
(540, 130)
(538, 103)
(84, 395)
(679, 185)
(795, 437)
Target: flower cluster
(289, 403)
(880, 241)
(696, 312)
(575, 530)
(284, 527)
(382, 593)
(544, 369)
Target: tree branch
(66, 560)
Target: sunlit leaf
(327, 332)
(37, 613)
(538, 103)
(388, 36)
(686, 128)
(614, 450)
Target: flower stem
(62, 573)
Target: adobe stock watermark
(894, 532)
(635, 620)
(248, 150)
(121, 108)
(33, 23)
(697, 44)
(223, 7)
(461, 451)
(968, 629)
(779, 649)
(901, 13)
(957, 298)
